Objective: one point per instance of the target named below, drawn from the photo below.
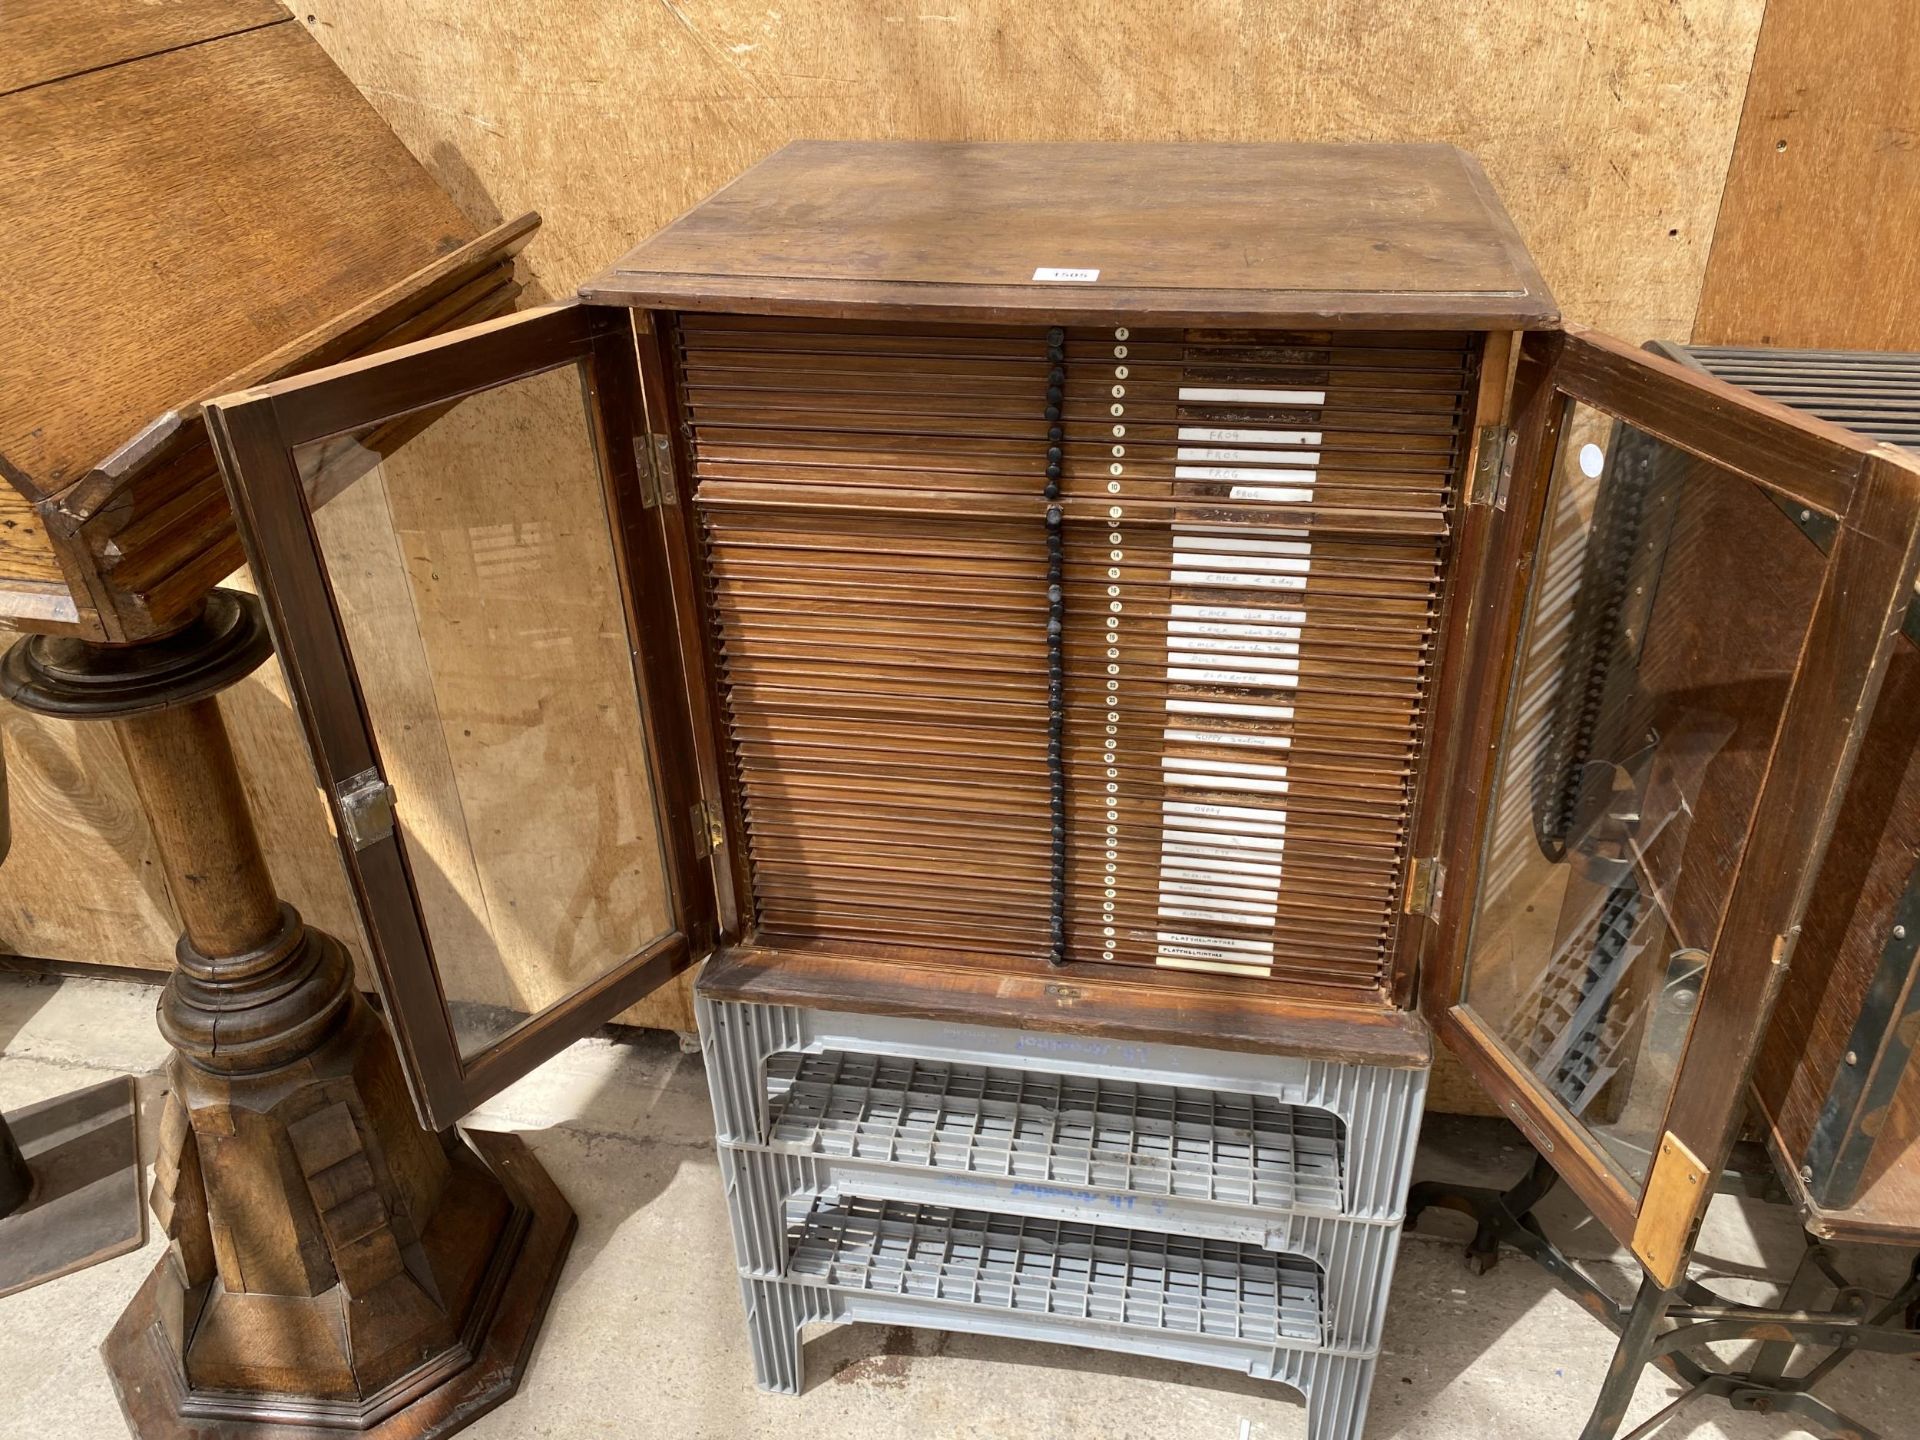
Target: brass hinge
(653, 454)
(1492, 467)
(709, 829)
(649, 476)
(366, 808)
(1425, 877)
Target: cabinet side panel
(1860, 884)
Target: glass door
(461, 549)
(1666, 710)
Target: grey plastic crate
(1378, 1108)
(1355, 1258)
(1113, 1135)
(1336, 1386)
(1217, 1207)
(1097, 1274)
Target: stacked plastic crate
(1219, 1207)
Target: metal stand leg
(1770, 1363)
(1696, 1317)
(1662, 1325)
(1497, 1214)
(1630, 1357)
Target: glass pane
(469, 551)
(1668, 606)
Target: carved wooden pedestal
(333, 1267)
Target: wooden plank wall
(1608, 129)
(1816, 233)
(1605, 126)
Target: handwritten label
(1180, 868)
(1254, 815)
(1272, 494)
(1243, 473)
(1057, 274)
(1240, 739)
(1205, 455)
(1257, 582)
(1190, 842)
(1191, 676)
(1238, 612)
(1035, 1043)
(1210, 435)
(1187, 635)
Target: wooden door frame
(256, 433)
(1874, 493)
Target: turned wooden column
(333, 1265)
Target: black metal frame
(1658, 1326)
(1835, 1162)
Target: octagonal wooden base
(441, 1394)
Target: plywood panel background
(1607, 127)
(1816, 231)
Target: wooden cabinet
(1149, 591)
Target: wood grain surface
(42, 44)
(1200, 234)
(177, 268)
(1605, 129)
(1814, 242)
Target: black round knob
(1056, 335)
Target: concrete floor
(645, 1336)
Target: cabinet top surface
(1275, 234)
